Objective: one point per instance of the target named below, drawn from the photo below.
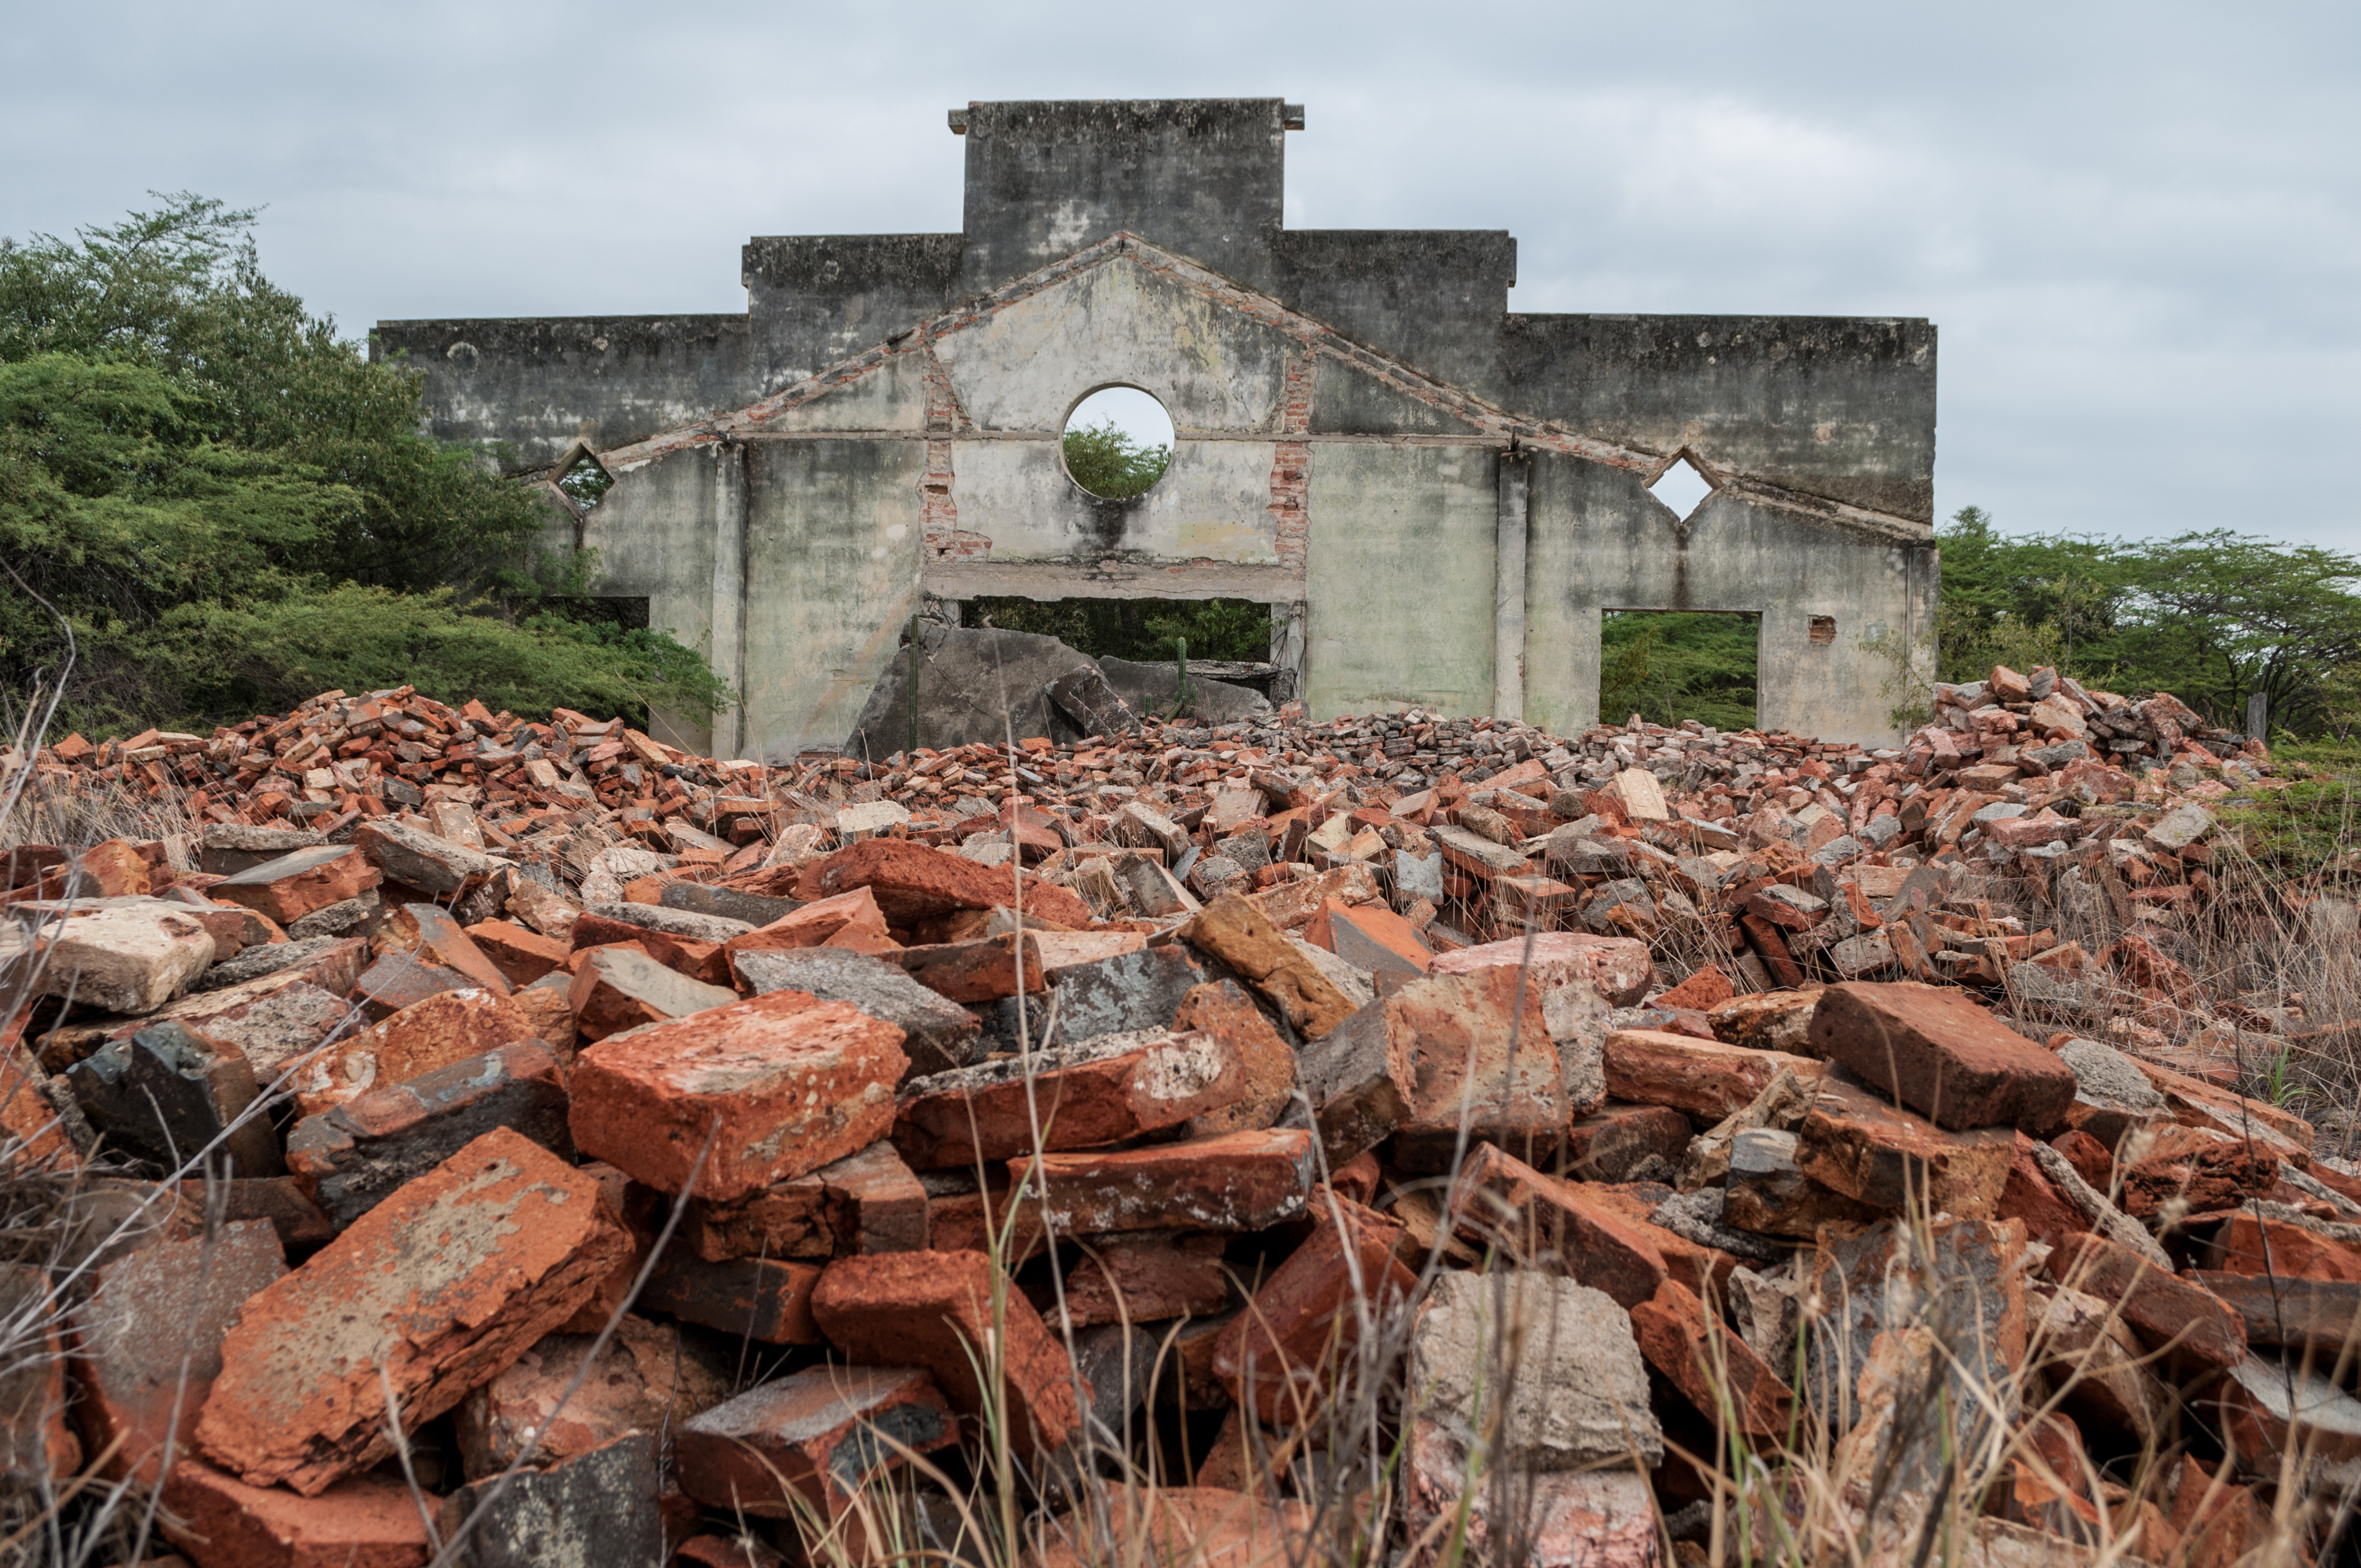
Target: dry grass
(1942, 1430)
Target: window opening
(585, 482)
(1118, 442)
(1681, 487)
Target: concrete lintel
(1116, 579)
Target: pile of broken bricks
(874, 1067)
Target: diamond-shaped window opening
(585, 482)
(1681, 487)
(1118, 443)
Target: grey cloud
(2137, 226)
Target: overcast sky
(2137, 227)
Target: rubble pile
(1154, 1053)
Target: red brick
(445, 1028)
(369, 1522)
(1152, 1279)
(1618, 966)
(1686, 1342)
(293, 885)
(701, 960)
(1705, 1077)
(149, 1340)
(1475, 1054)
(1113, 1088)
(651, 1377)
(811, 925)
(399, 981)
(934, 1310)
(1242, 937)
(810, 1438)
(2162, 1308)
(1187, 1526)
(1501, 1199)
(1943, 1055)
(1861, 1145)
(521, 1241)
(35, 1441)
(1239, 1181)
(914, 883)
(984, 969)
(350, 1158)
(1704, 991)
(2029, 1196)
(2197, 1170)
(1230, 1016)
(2251, 1244)
(519, 952)
(431, 935)
(1295, 1342)
(762, 1299)
(620, 987)
(792, 1084)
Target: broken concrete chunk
(410, 854)
(1963, 1280)
(938, 1035)
(2111, 1096)
(590, 1507)
(781, 1083)
(620, 987)
(523, 1240)
(229, 848)
(131, 957)
(1138, 990)
(168, 1093)
(1579, 1394)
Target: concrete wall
(884, 424)
(537, 385)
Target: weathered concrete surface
(883, 423)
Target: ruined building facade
(1439, 497)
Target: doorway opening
(1670, 665)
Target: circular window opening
(1118, 442)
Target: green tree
(230, 506)
(1106, 461)
(1670, 665)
